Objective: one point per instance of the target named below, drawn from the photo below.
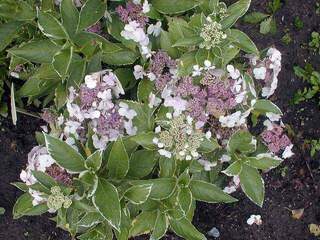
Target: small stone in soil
(214, 232)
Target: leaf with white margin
(106, 200)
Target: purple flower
(59, 174)
(48, 116)
(132, 12)
(275, 139)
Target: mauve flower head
(93, 106)
(48, 116)
(59, 174)
(96, 28)
(132, 12)
(275, 139)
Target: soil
(294, 185)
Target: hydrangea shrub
(157, 105)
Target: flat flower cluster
(136, 28)
(94, 107)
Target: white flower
(130, 129)
(254, 219)
(136, 1)
(288, 152)
(157, 129)
(230, 121)
(234, 73)
(138, 72)
(230, 189)
(145, 7)
(90, 81)
(37, 197)
(273, 117)
(71, 127)
(126, 112)
(38, 160)
(208, 135)
(169, 115)
(113, 81)
(146, 51)
(105, 95)
(151, 76)
(177, 103)
(208, 65)
(92, 114)
(75, 111)
(165, 153)
(154, 30)
(260, 73)
(154, 101)
(99, 142)
(133, 31)
(225, 158)
(197, 71)
(207, 165)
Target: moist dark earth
(294, 185)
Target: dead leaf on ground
(314, 229)
(297, 213)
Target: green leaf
(144, 120)
(243, 41)
(185, 229)
(160, 226)
(24, 207)
(94, 161)
(40, 83)
(91, 12)
(143, 223)
(65, 155)
(138, 194)
(162, 188)
(234, 169)
(44, 179)
(118, 162)
(2, 210)
(142, 163)
(166, 44)
(50, 26)
(188, 42)
(145, 87)
(264, 162)
(255, 17)
(265, 25)
(266, 106)
(126, 77)
(185, 199)
(167, 167)
(77, 72)
(106, 200)
(69, 16)
(174, 6)
(208, 192)
(22, 186)
(145, 140)
(187, 61)
(62, 61)
(90, 219)
(252, 184)
(8, 32)
(99, 232)
(117, 54)
(60, 96)
(234, 12)
(242, 141)
(37, 51)
(208, 145)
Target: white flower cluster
(94, 105)
(38, 160)
(268, 70)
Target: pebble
(214, 232)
